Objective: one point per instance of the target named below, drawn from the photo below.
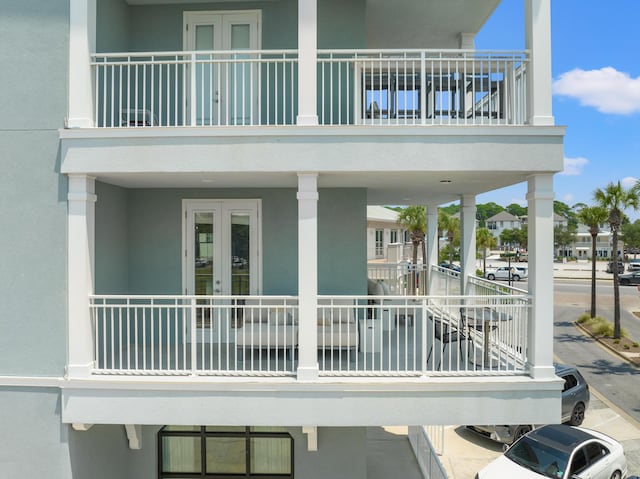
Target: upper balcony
(413, 63)
(354, 87)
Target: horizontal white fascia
(31, 381)
(323, 384)
(336, 405)
(307, 131)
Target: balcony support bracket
(134, 435)
(312, 437)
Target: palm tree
(484, 241)
(615, 199)
(451, 225)
(443, 221)
(593, 217)
(414, 220)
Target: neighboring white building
(581, 248)
(184, 227)
(502, 221)
(382, 229)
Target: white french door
(221, 247)
(223, 85)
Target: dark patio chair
(446, 334)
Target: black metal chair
(446, 334)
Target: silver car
(560, 452)
(575, 400)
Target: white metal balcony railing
(389, 87)
(400, 279)
(356, 335)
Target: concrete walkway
(389, 454)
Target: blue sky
(596, 84)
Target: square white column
(307, 62)
(80, 263)
(467, 239)
(540, 327)
(82, 43)
(538, 42)
(307, 276)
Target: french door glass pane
(241, 75)
(204, 258)
(205, 75)
(240, 37)
(204, 37)
(181, 454)
(226, 455)
(240, 257)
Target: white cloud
(574, 166)
(568, 198)
(607, 89)
(518, 201)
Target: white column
(467, 41)
(538, 42)
(540, 330)
(80, 263)
(307, 62)
(432, 241)
(467, 239)
(307, 276)
(82, 43)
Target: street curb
(601, 396)
(605, 345)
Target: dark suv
(575, 400)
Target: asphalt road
(614, 378)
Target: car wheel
(516, 277)
(491, 277)
(616, 475)
(577, 415)
(521, 431)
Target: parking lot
(465, 452)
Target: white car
(502, 272)
(560, 452)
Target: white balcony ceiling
(395, 165)
(413, 23)
(424, 23)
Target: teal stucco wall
(341, 24)
(139, 237)
(33, 211)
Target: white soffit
(424, 23)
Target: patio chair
(444, 332)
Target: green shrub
(626, 346)
(584, 318)
(603, 328)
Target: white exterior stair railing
(355, 87)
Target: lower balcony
(355, 336)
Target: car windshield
(538, 457)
